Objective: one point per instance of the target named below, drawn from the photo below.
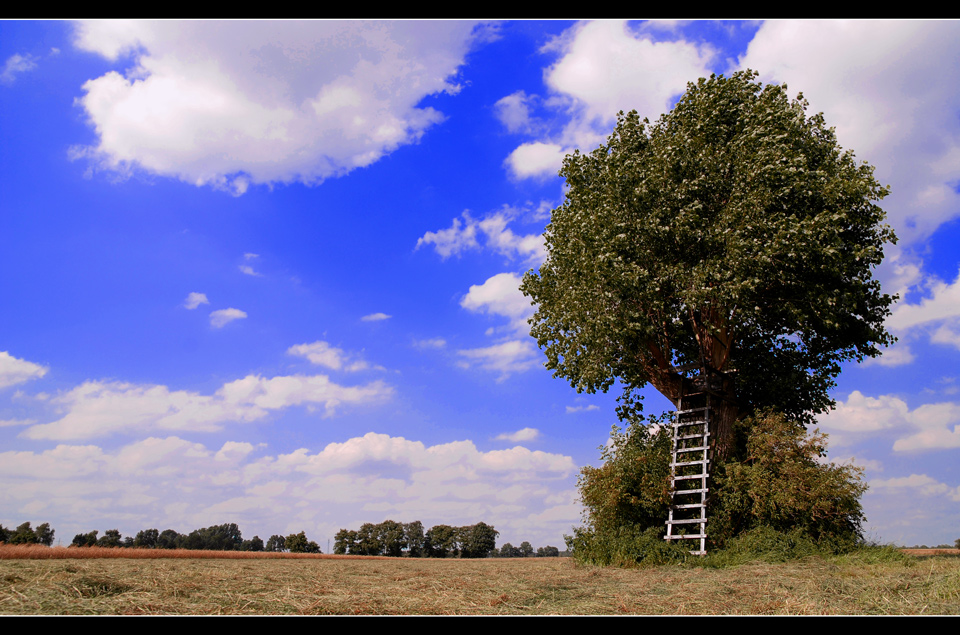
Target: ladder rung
(683, 424)
(688, 410)
(690, 506)
(686, 463)
(687, 521)
(689, 491)
(687, 537)
(702, 435)
(696, 449)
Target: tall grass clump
(775, 499)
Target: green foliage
(85, 540)
(734, 233)
(477, 541)
(110, 538)
(625, 546)
(632, 486)
(777, 499)
(441, 542)
(44, 534)
(254, 544)
(783, 484)
(507, 550)
(147, 539)
(298, 543)
(276, 543)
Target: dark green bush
(776, 499)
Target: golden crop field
(199, 583)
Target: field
(533, 586)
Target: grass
(525, 586)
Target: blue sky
(266, 273)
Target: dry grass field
(197, 583)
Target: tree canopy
(733, 238)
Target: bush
(775, 499)
(781, 483)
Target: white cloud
(860, 413)
(940, 309)
(195, 299)
(513, 111)
(250, 271)
(436, 342)
(450, 242)
(4, 423)
(603, 67)
(235, 103)
(932, 426)
(506, 358)
(172, 482)
(919, 483)
(15, 64)
(943, 304)
(222, 317)
(898, 355)
(501, 295)
(885, 87)
(462, 236)
(323, 354)
(97, 408)
(536, 159)
(526, 434)
(574, 409)
(16, 371)
(608, 68)
(375, 317)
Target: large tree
(732, 243)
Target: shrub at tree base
(774, 498)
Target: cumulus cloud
(230, 104)
(603, 67)
(248, 270)
(375, 317)
(526, 434)
(323, 354)
(505, 358)
(14, 65)
(513, 111)
(918, 483)
(932, 426)
(462, 236)
(173, 482)
(222, 317)
(195, 299)
(501, 295)
(536, 159)
(575, 409)
(899, 355)
(941, 306)
(16, 371)
(885, 88)
(97, 408)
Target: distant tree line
(391, 538)
(27, 535)
(525, 550)
(226, 537)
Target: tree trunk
(724, 411)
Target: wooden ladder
(690, 470)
